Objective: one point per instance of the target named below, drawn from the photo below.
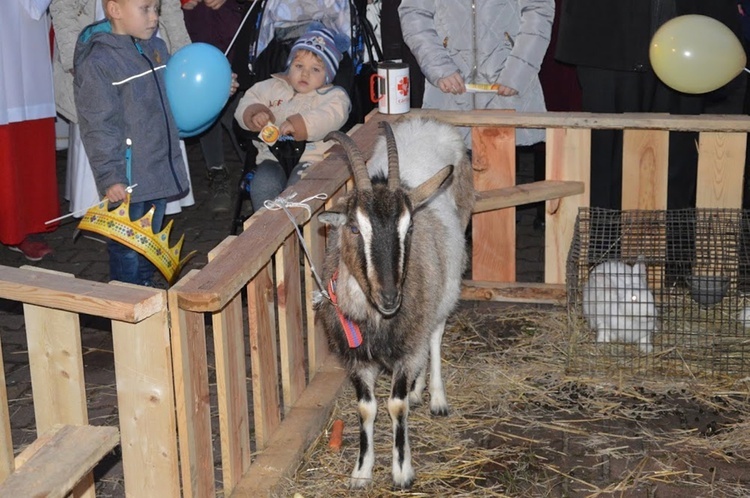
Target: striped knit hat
(322, 42)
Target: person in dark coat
(215, 22)
(608, 42)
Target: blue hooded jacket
(120, 94)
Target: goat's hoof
(404, 483)
(359, 482)
(439, 411)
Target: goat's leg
(438, 401)
(398, 408)
(415, 395)
(364, 385)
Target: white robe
(26, 90)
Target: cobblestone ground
(86, 258)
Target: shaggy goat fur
(396, 254)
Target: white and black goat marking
(396, 254)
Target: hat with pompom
(324, 43)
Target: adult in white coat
(28, 181)
(460, 42)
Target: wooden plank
(526, 193)
(314, 233)
(721, 168)
(644, 169)
(291, 340)
(568, 159)
(55, 468)
(587, 120)
(494, 233)
(6, 436)
(145, 401)
(263, 351)
(79, 296)
(190, 366)
(224, 277)
(231, 387)
(512, 292)
(56, 366)
(300, 428)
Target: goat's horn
(356, 161)
(394, 178)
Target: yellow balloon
(696, 54)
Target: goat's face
(375, 228)
(375, 221)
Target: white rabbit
(618, 304)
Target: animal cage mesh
(686, 280)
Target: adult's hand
(452, 84)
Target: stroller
(263, 45)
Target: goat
(394, 262)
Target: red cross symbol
(403, 86)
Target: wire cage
(660, 293)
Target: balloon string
(746, 69)
(239, 28)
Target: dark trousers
(611, 91)
(127, 265)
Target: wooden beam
(79, 296)
(190, 367)
(526, 193)
(55, 467)
(300, 428)
(637, 121)
(231, 386)
(146, 406)
(493, 249)
(6, 436)
(472, 290)
(264, 355)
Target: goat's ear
(333, 218)
(422, 193)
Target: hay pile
(520, 426)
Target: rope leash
(285, 203)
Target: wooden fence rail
(53, 303)
(275, 383)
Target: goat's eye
(354, 229)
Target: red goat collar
(351, 329)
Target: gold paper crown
(137, 235)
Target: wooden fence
(275, 382)
(67, 448)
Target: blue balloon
(198, 79)
(197, 131)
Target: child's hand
(259, 120)
(233, 86)
(117, 192)
(286, 128)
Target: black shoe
(221, 199)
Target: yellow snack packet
(482, 87)
(270, 134)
